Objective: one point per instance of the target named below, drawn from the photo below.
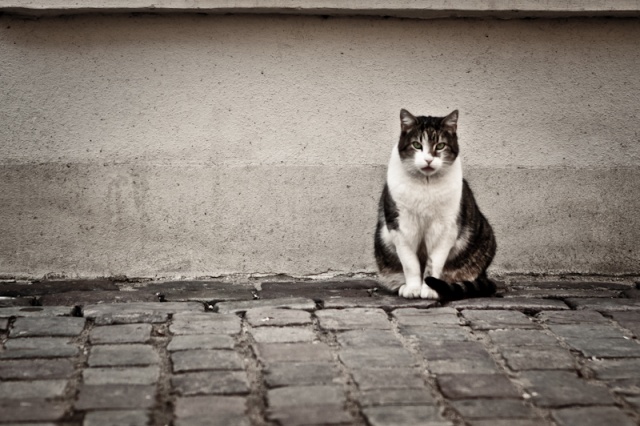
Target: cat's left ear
(451, 121)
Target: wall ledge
(417, 9)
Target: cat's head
(428, 146)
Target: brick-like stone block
(435, 334)
(390, 357)
(562, 389)
(629, 320)
(30, 369)
(368, 339)
(605, 305)
(593, 331)
(571, 317)
(121, 355)
(466, 386)
(432, 318)
(301, 373)
(39, 347)
(117, 418)
(102, 397)
(395, 397)
(209, 323)
(512, 303)
(592, 416)
(4, 324)
(303, 396)
(484, 365)
(47, 327)
(205, 359)
(259, 317)
(32, 411)
(210, 407)
(36, 311)
(128, 313)
(453, 351)
(34, 389)
(355, 318)
(282, 334)
(605, 348)
(519, 338)
(493, 409)
(393, 378)
(311, 415)
(611, 369)
(200, 341)
(211, 383)
(385, 302)
(124, 333)
(269, 353)
(302, 303)
(494, 319)
(538, 358)
(417, 415)
(121, 376)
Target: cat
(431, 239)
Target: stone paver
(395, 397)
(563, 388)
(205, 323)
(99, 397)
(211, 383)
(49, 327)
(125, 333)
(127, 313)
(206, 359)
(39, 347)
(419, 415)
(36, 311)
(258, 317)
(269, 353)
(326, 353)
(244, 305)
(117, 376)
(299, 373)
(200, 341)
(353, 318)
(36, 369)
(117, 418)
(463, 386)
(496, 319)
(592, 416)
(120, 355)
(283, 334)
(34, 389)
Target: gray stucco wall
(204, 145)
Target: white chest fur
(425, 202)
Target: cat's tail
(480, 287)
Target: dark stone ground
(270, 352)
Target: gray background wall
(204, 145)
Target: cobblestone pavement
(97, 353)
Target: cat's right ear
(407, 120)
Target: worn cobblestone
(47, 327)
(125, 333)
(120, 355)
(117, 418)
(354, 357)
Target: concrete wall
(205, 145)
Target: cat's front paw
(427, 292)
(409, 292)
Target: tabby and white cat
(431, 240)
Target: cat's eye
(417, 145)
(440, 146)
